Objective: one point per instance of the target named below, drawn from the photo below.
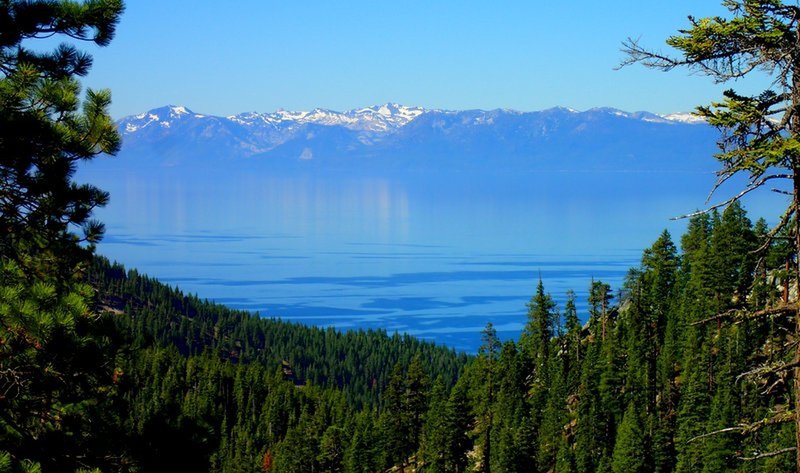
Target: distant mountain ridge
(393, 136)
(379, 118)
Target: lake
(435, 255)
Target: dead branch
(768, 369)
(745, 429)
(770, 237)
(750, 188)
(768, 454)
(784, 309)
(720, 316)
(779, 418)
(726, 430)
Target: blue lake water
(435, 256)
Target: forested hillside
(358, 363)
(202, 387)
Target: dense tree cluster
(652, 382)
(241, 391)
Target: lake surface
(435, 256)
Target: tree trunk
(796, 380)
(794, 131)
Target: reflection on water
(434, 256)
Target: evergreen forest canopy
(694, 365)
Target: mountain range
(394, 137)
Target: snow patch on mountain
(689, 118)
(380, 118)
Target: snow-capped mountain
(397, 136)
(379, 118)
(685, 118)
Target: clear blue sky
(257, 55)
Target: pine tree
(513, 432)
(535, 339)
(488, 355)
(416, 401)
(760, 135)
(630, 447)
(394, 420)
(435, 433)
(590, 428)
(555, 416)
(599, 305)
(331, 454)
(460, 422)
(572, 326)
(55, 355)
(360, 456)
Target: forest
(693, 365)
(643, 385)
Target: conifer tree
(590, 428)
(760, 133)
(600, 303)
(630, 448)
(395, 425)
(360, 456)
(535, 339)
(416, 400)
(331, 454)
(436, 434)
(487, 356)
(554, 416)
(460, 422)
(55, 353)
(514, 429)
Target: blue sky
(256, 55)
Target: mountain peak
(162, 117)
(684, 117)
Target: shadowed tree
(55, 352)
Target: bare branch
(768, 369)
(750, 188)
(726, 430)
(780, 417)
(747, 315)
(768, 454)
(772, 235)
(781, 191)
(720, 316)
